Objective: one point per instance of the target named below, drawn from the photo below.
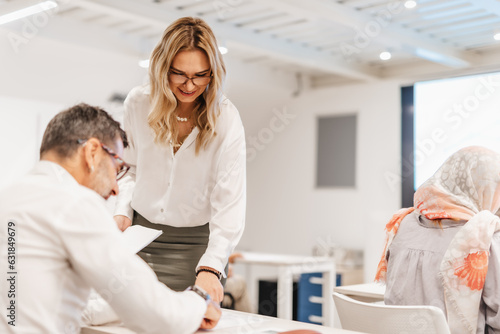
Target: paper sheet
(250, 324)
(138, 237)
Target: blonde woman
(187, 152)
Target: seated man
(58, 241)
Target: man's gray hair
(80, 122)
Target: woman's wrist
(209, 270)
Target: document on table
(248, 324)
(138, 237)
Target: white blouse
(414, 259)
(185, 189)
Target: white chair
(389, 319)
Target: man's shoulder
(49, 178)
(57, 190)
(43, 197)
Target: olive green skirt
(175, 254)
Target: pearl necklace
(182, 119)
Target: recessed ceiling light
(497, 36)
(410, 4)
(386, 55)
(223, 50)
(144, 63)
(19, 14)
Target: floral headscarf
(466, 187)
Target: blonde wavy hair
(185, 34)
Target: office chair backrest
(389, 319)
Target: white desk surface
(369, 290)
(236, 322)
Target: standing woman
(187, 151)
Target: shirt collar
(45, 167)
(445, 223)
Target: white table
(290, 265)
(368, 292)
(233, 322)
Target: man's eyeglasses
(177, 78)
(124, 167)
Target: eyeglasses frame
(124, 166)
(192, 78)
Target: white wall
(46, 70)
(44, 77)
(21, 125)
(285, 213)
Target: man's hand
(212, 316)
(211, 284)
(123, 222)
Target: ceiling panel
(328, 40)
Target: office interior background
(290, 64)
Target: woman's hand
(212, 316)
(211, 284)
(123, 222)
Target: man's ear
(90, 149)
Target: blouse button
(161, 210)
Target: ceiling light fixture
(410, 4)
(386, 55)
(497, 36)
(21, 13)
(223, 50)
(144, 63)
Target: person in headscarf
(445, 251)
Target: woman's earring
(91, 169)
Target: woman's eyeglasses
(178, 79)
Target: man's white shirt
(66, 243)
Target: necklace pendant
(182, 119)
